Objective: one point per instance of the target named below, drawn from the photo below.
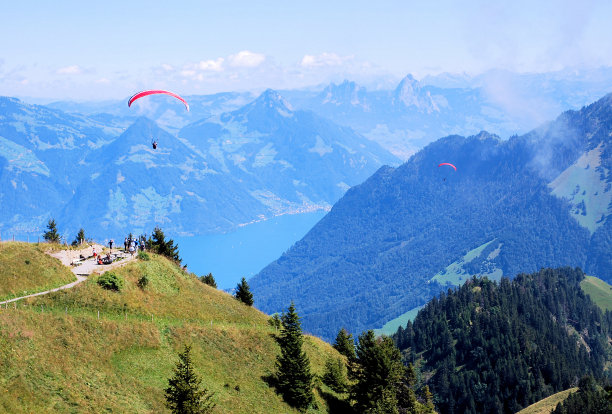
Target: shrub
(143, 282)
(275, 321)
(110, 281)
(144, 256)
(209, 280)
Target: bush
(275, 321)
(111, 281)
(143, 282)
(144, 256)
(209, 280)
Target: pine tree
(335, 374)
(80, 238)
(294, 380)
(243, 293)
(345, 344)
(51, 234)
(406, 397)
(377, 372)
(163, 247)
(428, 397)
(183, 395)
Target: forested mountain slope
(491, 347)
(388, 245)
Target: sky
(80, 50)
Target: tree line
(493, 348)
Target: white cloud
(188, 73)
(167, 67)
(324, 59)
(212, 65)
(104, 81)
(246, 59)
(70, 70)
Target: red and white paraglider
(142, 94)
(448, 164)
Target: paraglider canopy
(156, 92)
(447, 163)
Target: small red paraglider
(447, 163)
(142, 94)
(156, 92)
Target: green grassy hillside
(548, 404)
(599, 291)
(57, 356)
(26, 269)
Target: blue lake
(244, 252)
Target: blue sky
(75, 50)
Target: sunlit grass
(548, 404)
(26, 269)
(599, 291)
(58, 355)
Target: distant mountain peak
(346, 93)
(272, 99)
(409, 93)
(141, 131)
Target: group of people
(132, 245)
(100, 259)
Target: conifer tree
(163, 247)
(80, 238)
(345, 344)
(406, 397)
(243, 293)
(51, 234)
(428, 397)
(335, 374)
(378, 370)
(183, 395)
(294, 380)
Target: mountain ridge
(372, 257)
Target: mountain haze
(231, 169)
(41, 158)
(406, 233)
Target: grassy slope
(26, 269)
(57, 356)
(546, 405)
(599, 291)
(456, 275)
(391, 327)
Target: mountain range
(407, 233)
(402, 118)
(259, 161)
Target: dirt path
(83, 269)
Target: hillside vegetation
(548, 404)
(26, 269)
(91, 350)
(489, 347)
(599, 291)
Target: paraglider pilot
(154, 143)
